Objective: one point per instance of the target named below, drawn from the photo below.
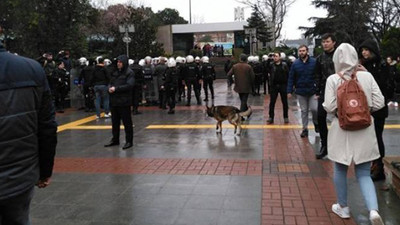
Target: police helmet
(291, 58)
(147, 59)
(171, 62)
(256, 58)
(189, 59)
(98, 59)
(197, 59)
(283, 56)
(131, 61)
(83, 61)
(107, 62)
(205, 59)
(264, 58)
(142, 62)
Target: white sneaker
(97, 117)
(341, 212)
(396, 104)
(375, 218)
(107, 115)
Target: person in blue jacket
(302, 82)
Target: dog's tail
(247, 113)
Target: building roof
(208, 27)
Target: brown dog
(230, 113)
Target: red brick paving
(159, 166)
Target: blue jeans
(102, 94)
(15, 210)
(364, 180)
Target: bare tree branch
(272, 11)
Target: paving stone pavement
(188, 174)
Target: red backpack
(353, 110)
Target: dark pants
(323, 128)
(208, 83)
(265, 83)
(170, 93)
(379, 125)
(281, 90)
(196, 88)
(59, 98)
(88, 95)
(124, 113)
(257, 83)
(136, 96)
(243, 101)
(15, 210)
(181, 89)
(162, 98)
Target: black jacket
(281, 70)
(138, 72)
(28, 131)
(86, 75)
(323, 69)
(208, 71)
(101, 76)
(190, 71)
(172, 78)
(379, 70)
(123, 81)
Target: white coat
(346, 146)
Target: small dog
(230, 113)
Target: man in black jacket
(120, 90)
(372, 61)
(279, 78)
(28, 135)
(323, 69)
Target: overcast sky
(209, 11)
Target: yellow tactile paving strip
(77, 125)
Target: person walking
(324, 68)
(359, 146)
(302, 82)
(279, 77)
(120, 89)
(28, 135)
(243, 79)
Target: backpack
(352, 105)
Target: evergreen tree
(348, 19)
(263, 31)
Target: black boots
(322, 153)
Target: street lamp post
(190, 11)
(127, 28)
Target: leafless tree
(272, 11)
(384, 15)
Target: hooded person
(120, 89)
(358, 146)
(372, 61)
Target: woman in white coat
(358, 146)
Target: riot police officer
(208, 77)
(191, 75)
